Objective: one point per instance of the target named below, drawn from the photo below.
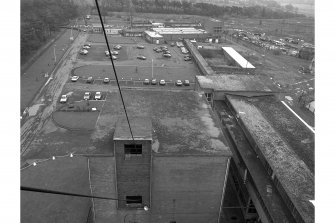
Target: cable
(111, 58)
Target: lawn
(76, 120)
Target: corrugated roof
(180, 30)
(237, 57)
(153, 34)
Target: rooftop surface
(141, 128)
(237, 57)
(153, 34)
(182, 121)
(179, 30)
(288, 167)
(63, 174)
(231, 82)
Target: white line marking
(89, 179)
(101, 110)
(308, 126)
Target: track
(49, 94)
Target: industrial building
(132, 32)
(177, 166)
(110, 29)
(153, 37)
(215, 29)
(279, 185)
(173, 34)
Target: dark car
(141, 57)
(187, 83)
(89, 80)
(187, 58)
(153, 81)
(172, 44)
(146, 81)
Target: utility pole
(152, 68)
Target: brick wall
(133, 173)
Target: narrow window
(134, 199)
(133, 149)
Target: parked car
(63, 98)
(146, 81)
(86, 47)
(83, 52)
(167, 55)
(179, 83)
(187, 58)
(140, 47)
(106, 80)
(168, 52)
(74, 78)
(187, 83)
(114, 52)
(172, 44)
(89, 80)
(141, 57)
(114, 57)
(117, 47)
(158, 50)
(97, 95)
(162, 82)
(87, 44)
(87, 96)
(106, 53)
(153, 81)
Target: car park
(106, 80)
(141, 57)
(153, 81)
(162, 82)
(89, 80)
(97, 95)
(74, 78)
(146, 81)
(140, 47)
(179, 83)
(187, 83)
(87, 96)
(63, 99)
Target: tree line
(40, 19)
(203, 9)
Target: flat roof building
(173, 34)
(236, 57)
(153, 37)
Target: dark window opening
(134, 199)
(135, 149)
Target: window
(133, 149)
(134, 199)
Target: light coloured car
(114, 57)
(86, 47)
(63, 98)
(140, 47)
(106, 80)
(153, 81)
(179, 83)
(97, 95)
(162, 82)
(87, 96)
(74, 78)
(167, 55)
(106, 53)
(146, 81)
(117, 47)
(114, 52)
(83, 52)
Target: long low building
(233, 55)
(153, 37)
(172, 34)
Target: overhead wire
(116, 77)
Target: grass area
(76, 120)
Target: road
(46, 101)
(34, 77)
